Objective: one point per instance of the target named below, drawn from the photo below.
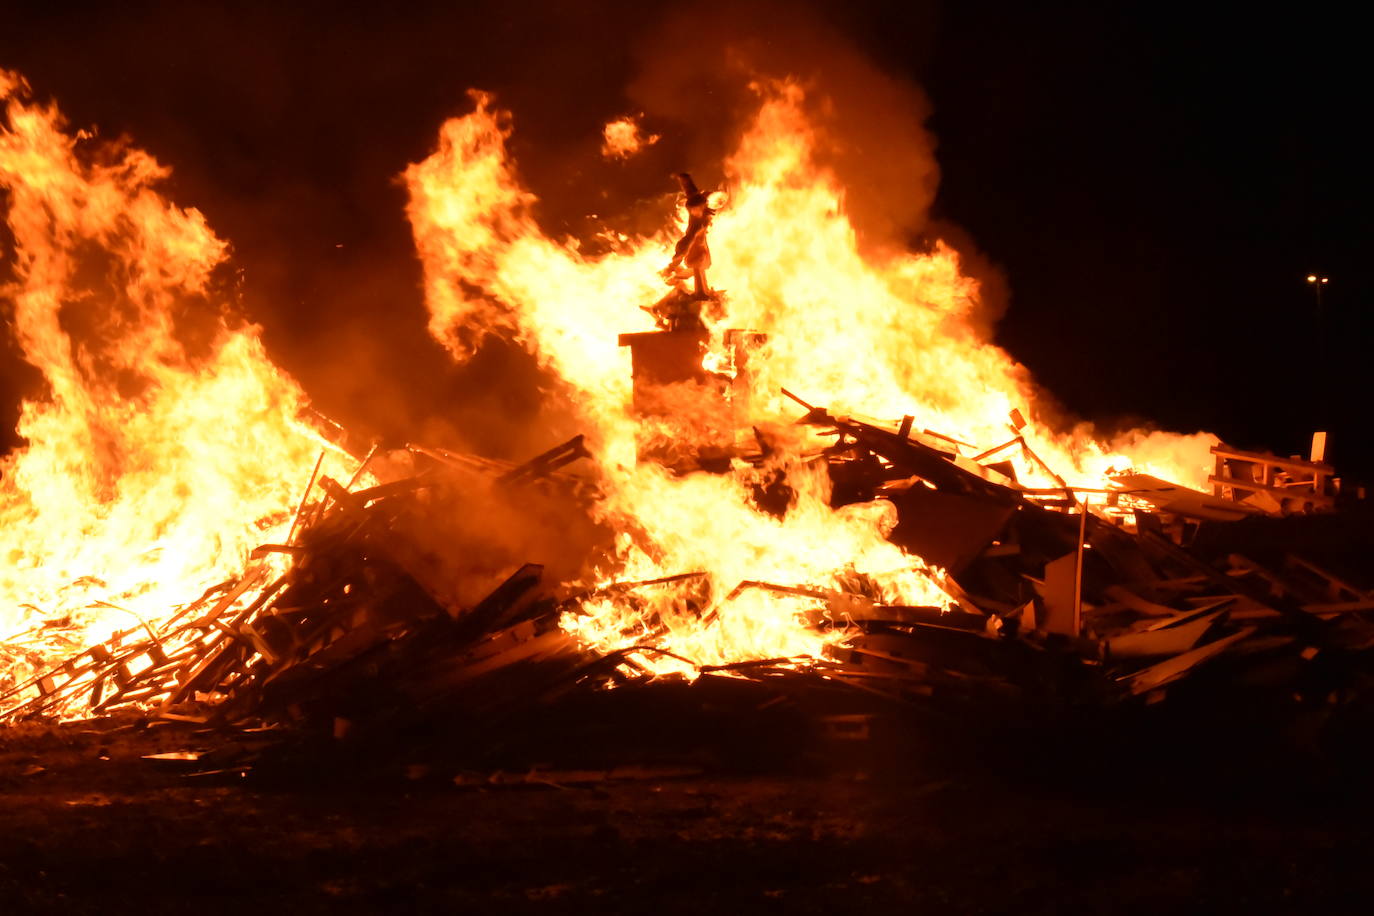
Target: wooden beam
(1313, 496)
(1296, 464)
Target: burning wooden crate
(689, 412)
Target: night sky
(1152, 187)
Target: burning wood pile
(355, 624)
(345, 607)
(701, 534)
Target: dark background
(1154, 185)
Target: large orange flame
(885, 334)
(166, 445)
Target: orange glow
(622, 138)
(166, 445)
(885, 334)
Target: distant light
(1311, 278)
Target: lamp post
(1317, 281)
(1323, 369)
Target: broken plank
(1170, 670)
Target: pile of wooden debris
(358, 624)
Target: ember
(623, 138)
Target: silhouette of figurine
(692, 252)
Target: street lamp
(1318, 281)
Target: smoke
(287, 126)
(464, 535)
(994, 288)
(696, 68)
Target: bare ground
(89, 826)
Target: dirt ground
(87, 825)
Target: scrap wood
(900, 670)
(509, 599)
(947, 530)
(983, 456)
(867, 612)
(1122, 552)
(950, 653)
(1123, 595)
(1174, 639)
(797, 590)
(1058, 596)
(1289, 609)
(363, 499)
(217, 664)
(1303, 595)
(966, 603)
(323, 506)
(901, 679)
(300, 509)
(1180, 500)
(1241, 565)
(1036, 459)
(911, 456)
(520, 643)
(581, 596)
(924, 461)
(461, 460)
(349, 632)
(1272, 484)
(1334, 587)
(905, 430)
(251, 576)
(73, 670)
(754, 664)
(839, 605)
(856, 681)
(544, 464)
(1170, 670)
(1200, 607)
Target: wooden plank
(1283, 605)
(1170, 640)
(1294, 464)
(1335, 586)
(296, 519)
(1181, 500)
(1057, 594)
(1290, 492)
(1166, 672)
(251, 577)
(1124, 596)
(509, 648)
(544, 464)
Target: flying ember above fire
(623, 137)
(887, 335)
(166, 444)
